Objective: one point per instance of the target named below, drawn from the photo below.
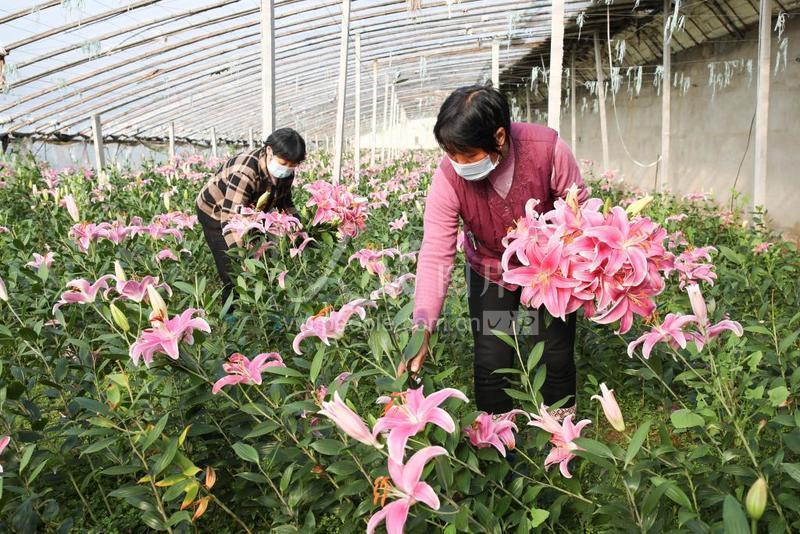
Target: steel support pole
(99, 150)
(171, 141)
(762, 104)
(267, 68)
(357, 112)
(666, 104)
(556, 66)
(341, 93)
(496, 64)
(601, 97)
(374, 112)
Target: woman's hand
(414, 364)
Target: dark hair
(469, 119)
(287, 144)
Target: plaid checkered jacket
(239, 183)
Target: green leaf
(788, 341)
(735, 257)
(166, 457)
(793, 470)
(412, 347)
(636, 441)
(778, 396)
(330, 447)
(685, 418)
(595, 447)
(535, 355)
(99, 445)
(733, 519)
(26, 457)
(508, 340)
(246, 452)
(154, 433)
(283, 371)
(538, 516)
(316, 364)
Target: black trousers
(493, 307)
(212, 231)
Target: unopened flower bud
(756, 499)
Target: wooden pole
(341, 92)
(496, 64)
(392, 111)
(267, 68)
(99, 150)
(762, 104)
(601, 97)
(357, 133)
(556, 66)
(214, 151)
(374, 112)
(250, 139)
(666, 101)
(385, 118)
(171, 141)
(572, 105)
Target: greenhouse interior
(399, 266)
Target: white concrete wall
(709, 127)
(414, 134)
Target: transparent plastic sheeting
(142, 64)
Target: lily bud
(698, 303)
(636, 207)
(157, 304)
(756, 499)
(3, 291)
(72, 208)
(118, 271)
(119, 318)
(610, 408)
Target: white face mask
(277, 170)
(475, 171)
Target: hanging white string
(614, 101)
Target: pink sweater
(440, 227)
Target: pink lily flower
(165, 336)
(761, 248)
(243, 371)
(543, 283)
(486, 431)
(282, 279)
(166, 254)
(561, 436)
(707, 330)
(85, 233)
(348, 421)
(408, 489)
(136, 291)
(39, 260)
(410, 412)
(372, 260)
(80, 291)
(610, 408)
(294, 251)
(671, 331)
(331, 326)
(3, 444)
(399, 224)
(392, 289)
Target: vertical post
(214, 152)
(392, 110)
(385, 118)
(250, 139)
(99, 150)
(762, 104)
(572, 105)
(267, 68)
(601, 96)
(496, 64)
(341, 92)
(556, 66)
(666, 100)
(172, 141)
(527, 103)
(357, 133)
(316, 142)
(374, 112)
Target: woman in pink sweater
(492, 168)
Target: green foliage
(100, 445)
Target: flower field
(131, 399)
